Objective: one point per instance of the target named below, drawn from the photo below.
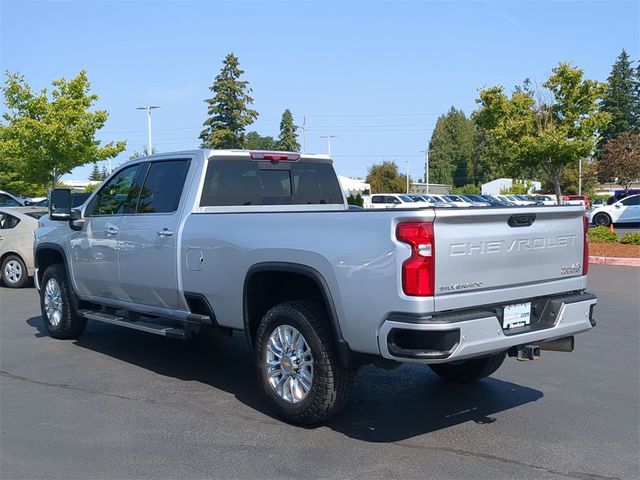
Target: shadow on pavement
(384, 406)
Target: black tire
(468, 371)
(23, 275)
(602, 220)
(70, 324)
(331, 382)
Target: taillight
(275, 156)
(418, 271)
(585, 250)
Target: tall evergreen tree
(228, 110)
(622, 99)
(288, 139)
(103, 173)
(95, 173)
(451, 149)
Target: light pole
(407, 177)
(580, 177)
(328, 137)
(148, 108)
(426, 173)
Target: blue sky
(375, 74)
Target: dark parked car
(77, 199)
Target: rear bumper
(474, 333)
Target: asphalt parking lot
(124, 404)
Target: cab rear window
(249, 182)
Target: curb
(619, 262)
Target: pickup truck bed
(317, 289)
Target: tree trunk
(555, 175)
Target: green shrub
(468, 188)
(631, 238)
(602, 235)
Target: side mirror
(60, 204)
(617, 205)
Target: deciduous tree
(546, 130)
(47, 134)
(228, 110)
(620, 159)
(385, 178)
(255, 141)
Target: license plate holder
(516, 315)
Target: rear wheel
(57, 303)
(602, 220)
(467, 371)
(298, 364)
(14, 272)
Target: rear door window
(163, 187)
(249, 182)
(8, 221)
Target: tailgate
(494, 249)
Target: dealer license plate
(515, 316)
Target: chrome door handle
(111, 229)
(165, 232)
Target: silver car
(17, 226)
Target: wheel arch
(47, 254)
(254, 303)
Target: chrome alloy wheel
(13, 271)
(53, 302)
(289, 364)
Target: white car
(626, 210)
(457, 201)
(546, 199)
(8, 200)
(432, 201)
(515, 199)
(395, 200)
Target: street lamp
(148, 108)
(328, 137)
(426, 174)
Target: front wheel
(467, 371)
(298, 365)
(602, 220)
(58, 306)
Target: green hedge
(602, 235)
(631, 238)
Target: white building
(496, 186)
(354, 186)
(79, 185)
(420, 188)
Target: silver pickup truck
(263, 242)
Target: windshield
(452, 198)
(405, 198)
